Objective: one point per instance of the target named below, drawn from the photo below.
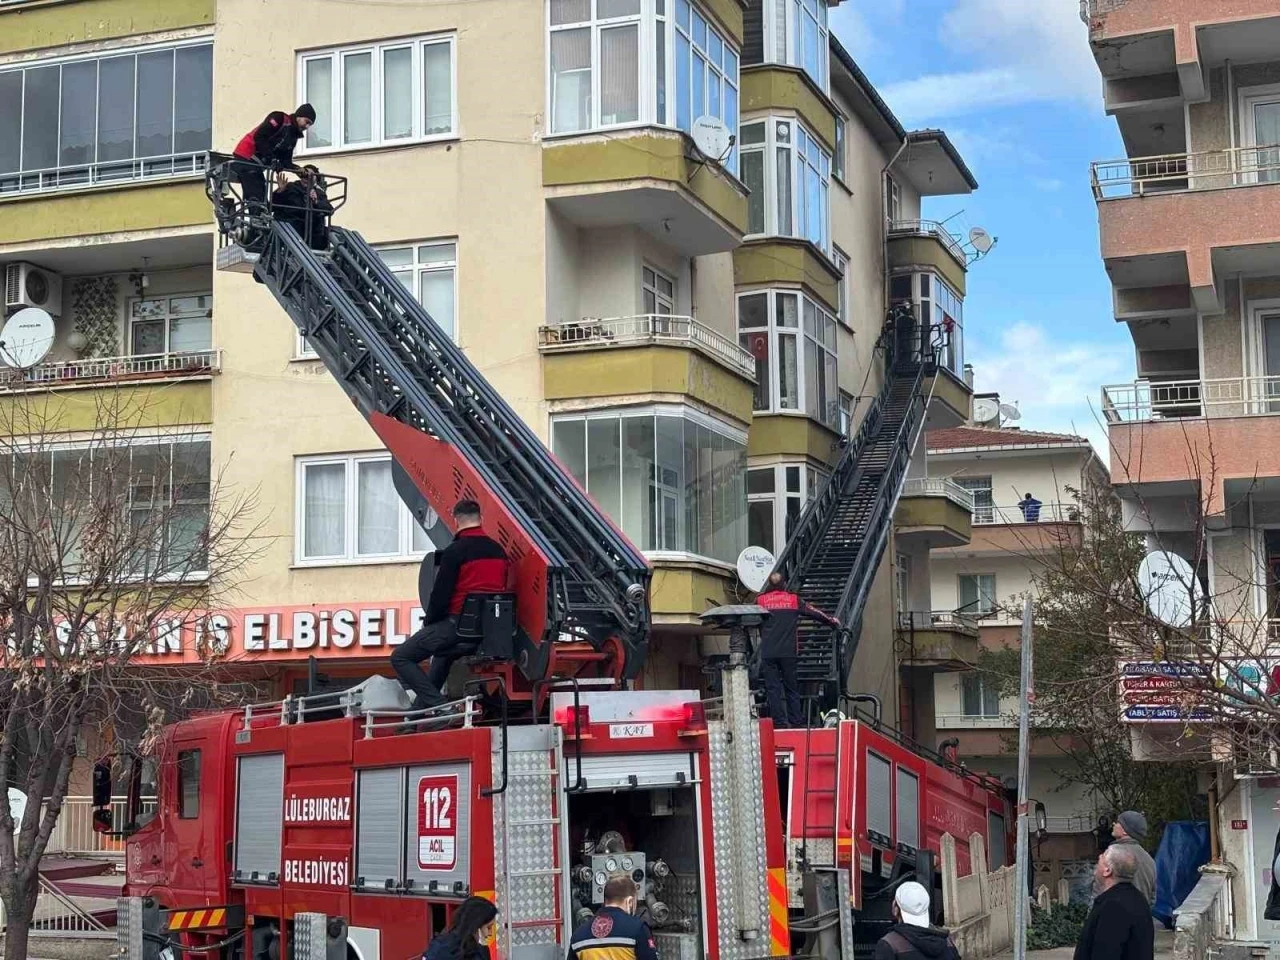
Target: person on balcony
(779, 649)
(1030, 508)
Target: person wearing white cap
(913, 937)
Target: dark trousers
(782, 690)
(253, 178)
(439, 642)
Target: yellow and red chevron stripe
(779, 930)
(197, 919)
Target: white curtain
(436, 296)
(620, 74)
(397, 93)
(378, 510)
(570, 80)
(319, 93)
(438, 88)
(324, 506)
(190, 334)
(357, 110)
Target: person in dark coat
(1119, 925)
(303, 204)
(779, 649)
(270, 146)
(913, 937)
(473, 926)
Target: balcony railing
(987, 514)
(931, 228)
(952, 621)
(592, 333)
(107, 173)
(1146, 400)
(968, 721)
(93, 370)
(939, 487)
(1182, 172)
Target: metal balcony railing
(592, 333)
(1183, 172)
(989, 514)
(107, 173)
(952, 621)
(939, 487)
(111, 369)
(1145, 400)
(970, 721)
(931, 228)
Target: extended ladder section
(836, 548)
(453, 437)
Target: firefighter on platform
(779, 649)
(615, 933)
(269, 146)
(472, 563)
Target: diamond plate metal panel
(845, 891)
(310, 936)
(680, 893)
(525, 841)
(129, 927)
(678, 946)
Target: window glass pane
(784, 191)
(40, 137)
(753, 133)
(357, 108)
(189, 784)
(397, 93)
(397, 256)
(570, 11)
(193, 100)
(699, 30)
(756, 343)
(420, 542)
(660, 70)
(837, 162)
(699, 86)
(603, 464)
(79, 106)
(606, 9)
(570, 80)
(11, 120)
(682, 13)
(190, 334)
(377, 509)
(318, 82)
(437, 68)
(569, 443)
(683, 119)
(715, 47)
(324, 510)
(148, 338)
(760, 481)
(115, 110)
(155, 104)
(620, 74)
(760, 524)
(753, 311)
(639, 491)
(793, 479)
(669, 484)
(436, 296)
(437, 253)
(812, 378)
(787, 310)
(788, 373)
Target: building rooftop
(972, 438)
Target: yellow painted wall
(934, 513)
(125, 407)
(784, 260)
(51, 23)
(797, 436)
(146, 206)
(953, 393)
(684, 591)
(772, 86)
(917, 251)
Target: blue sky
(1014, 84)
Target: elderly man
(1129, 830)
(1119, 925)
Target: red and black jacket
(473, 563)
(272, 141)
(778, 636)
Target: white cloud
(1023, 51)
(1054, 381)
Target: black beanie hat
(306, 112)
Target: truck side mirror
(102, 783)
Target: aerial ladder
(582, 587)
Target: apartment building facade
(1188, 239)
(692, 338)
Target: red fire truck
(343, 825)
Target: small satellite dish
(754, 566)
(981, 240)
(985, 411)
(1170, 588)
(27, 337)
(711, 136)
(1010, 412)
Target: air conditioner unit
(26, 285)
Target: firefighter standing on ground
(472, 563)
(779, 649)
(615, 933)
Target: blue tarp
(1184, 848)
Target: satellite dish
(1010, 412)
(981, 240)
(985, 411)
(1170, 588)
(754, 566)
(27, 337)
(712, 137)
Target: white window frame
(810, 480)
(651, 287)
(982, 513)
(351, 493)
(976, 610)
(892, 199)
(377, 52)
(786, 45)
(838, 156)
(1248, 98)
(302, 350)
(775, 332)
(844, 312)
(983, 693)
(789, 134)
(169, 317)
